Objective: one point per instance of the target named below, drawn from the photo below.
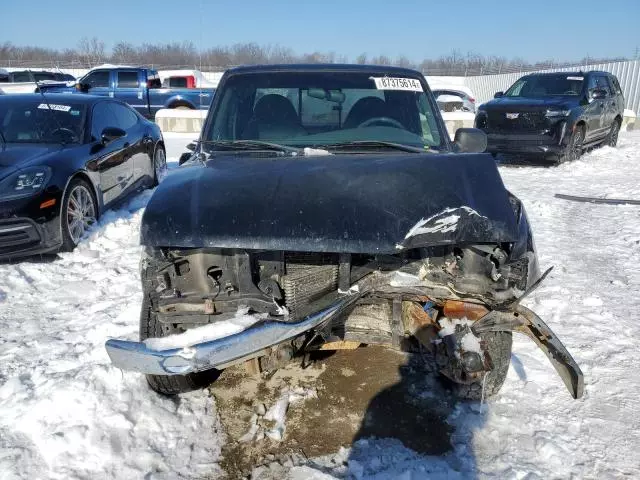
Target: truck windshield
(40, 121)
(323, 108)
(544, 85)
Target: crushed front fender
(525, 321)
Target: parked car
(453, 98)
(555, 115)
(297, 223)
(139, 87)
(26, 81)
(457, 106)
(33, 76)
(65, 159)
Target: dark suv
(556, 115)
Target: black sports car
(64, 159)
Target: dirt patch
(360, 393)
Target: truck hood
(369, 203)
(526, 104)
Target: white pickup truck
(25, 81)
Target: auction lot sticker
(53, 106)
(394, 83)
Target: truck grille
(527, 122)
(309, 277)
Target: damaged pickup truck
(325, 205)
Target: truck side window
(97, 79)
(153, 79)
(127, 80)
(22, 77)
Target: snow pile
(65, 412)
(448, 325)
(272, 422)
(206, 333)
(372, 459)
(469, 342)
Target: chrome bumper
(220, 353)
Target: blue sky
(531, 29)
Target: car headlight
(24, 183)
(557, 113)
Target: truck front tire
(150, 327)
(499, 349)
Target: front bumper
(21, 236)
(226, 351)
(534, 144)
(256, 340)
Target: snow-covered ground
(66, 413)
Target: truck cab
(141, 88)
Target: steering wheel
(66, 132)
(392, 122)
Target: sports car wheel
(159, 165)
(79, 213)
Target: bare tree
(91, 51)
(124, 52)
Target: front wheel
(576, 145)
(79, 213)
(150, 327)
(612, 136)
(499, 350)
(159, 165)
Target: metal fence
(628, 74)
(483, 86)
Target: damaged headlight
(24, 183)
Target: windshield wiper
(366, 144)
(240, 145)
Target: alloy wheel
(576, 144)
(81, 212)
(613, 136)
(160, 164)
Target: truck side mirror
(498, 95)
(83, 87)
(598, 94)
(470, 140)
